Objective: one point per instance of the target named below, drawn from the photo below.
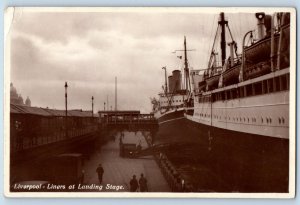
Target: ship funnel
(260, 24)
(176, 80)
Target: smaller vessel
(174, 102)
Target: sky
(89, 49)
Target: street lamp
(66, 101)
(92, 106)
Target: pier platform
(118, 171)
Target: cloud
(89, 49)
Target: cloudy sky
(88, 49)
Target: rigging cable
(213, 45)
(210, 38)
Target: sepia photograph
(150, 102)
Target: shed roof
(23, 109)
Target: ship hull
(245, 162)
(242, 162)
(171, 129)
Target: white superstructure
(259, 106)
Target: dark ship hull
(171, 129)
(245, 162)
(242, 162)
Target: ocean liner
(240, 114)
(173, 103)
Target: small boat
(213, 80)
(231, 75)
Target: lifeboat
(231, 75)
(201, 85)
(261, 50)
(213, 81)
(258, 70)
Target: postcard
(150, 102)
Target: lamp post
(66, 101)
(92, 106)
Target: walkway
(118, 171)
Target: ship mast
(223, 23)
(186, 69)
